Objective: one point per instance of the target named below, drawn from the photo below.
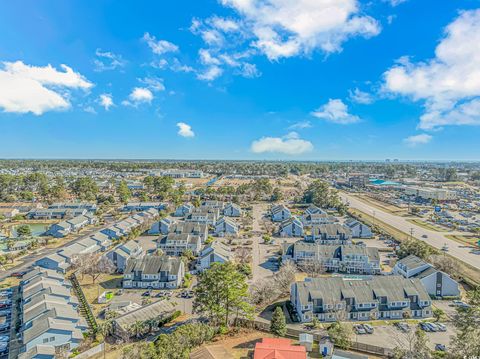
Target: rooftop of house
(279, 348)
(412, 262)
(331, 290)
(150, 264)
(158, 309)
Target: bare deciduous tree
(313, 268)
(243, 255)
(285, 277)
(94, 265)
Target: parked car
(147, 293)
(359, 329)
(4, 338)
(424, 236)
(441, 327)
(425, 327)
(404, 327)
(368, 328)
(18, 274)
(440, 347)
(459, 303)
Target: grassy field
(425, 225)
(382, 205)
(469, 240)
(104, 283)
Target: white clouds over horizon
(335, 111)
(448, 84)
(414, 141)
(37, 89)
(290, 144)
(185, 130)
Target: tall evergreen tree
(278, 325)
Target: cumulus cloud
(210, 74)
(139, 95)
(285, 28)
(159, 47)
(277, 29)
(107, 60)
(106, 100)
(290, 144)
(448, 84)
(361, 97)
(413, 141)
(37, 89)
(185, 130)
(335, 111)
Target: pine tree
(278, 325)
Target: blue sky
(240, 79)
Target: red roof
(279, 348)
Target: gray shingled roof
(158, 309)
(153, 264)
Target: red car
(18, 274)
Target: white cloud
(335, 111)
(396, 2)
(106, 100)
(249, 70)
(285, 28)
(210, 73)
(449, 83)
(138, 96)
(206, 58)
(159, 47)
(361, 97)
(25, 88)
(301, 125)
(416, 140)
(177, 66)
(289, 144)
(107, 61)
(153, 83)
(185, 130)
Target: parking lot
(391, 336)
(181, 302)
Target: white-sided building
(437, 283)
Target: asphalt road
(435, 239)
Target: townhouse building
(280, 213)
(291, 227)
(333, 233)
(350, 259)
(437, 283)
(154, 272)
(174, 244)
(371, 298)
